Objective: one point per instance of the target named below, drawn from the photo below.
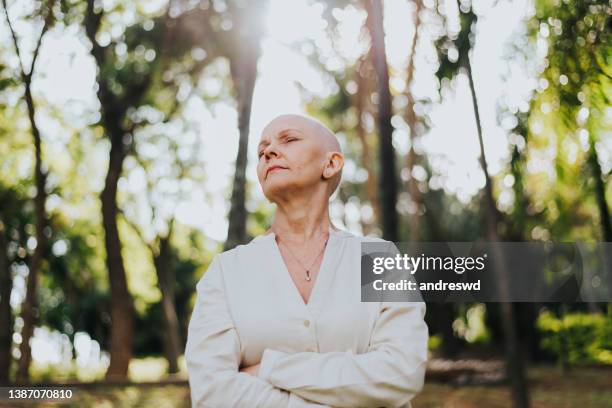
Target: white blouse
(334, 351)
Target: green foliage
(577, 337)
(568, 112)
(434, 342)
(579, 65)
(471, 324)
(5, 80)
(148, 339)
(453, 48)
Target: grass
(549, 387)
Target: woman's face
(291, 157)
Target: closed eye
(287, 140)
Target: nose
(269, 151)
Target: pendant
(308, 276)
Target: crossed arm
(389, 374)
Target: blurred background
(127, 161)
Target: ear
(333, 165)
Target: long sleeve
(213, 355)
(389, 374)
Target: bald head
(311, 128)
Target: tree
(29, 312)
(362, 75)
(162, 252)
(114, 107)
(6, 318)
(578, 80)
(450, 67)
(413, 124)
(242, 49)
(159, 169)
(13, 220)
(387, 184)
(142, 70)
(6, 281)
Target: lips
(275, 167)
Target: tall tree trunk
(387, 178)
(113, 111)
(440, 316)
(244, 74)
(29, 311)
(600, 192)
(514, 358)
(121, 307)
(526, 313)
(411, 118)
(366, 159)
(518, 228)
(6, 319)
(371, 190)
(162, 254)
(166, 282)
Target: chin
(274, 188)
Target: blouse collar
(335, 233)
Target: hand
(252, 370)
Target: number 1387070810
(8, 394)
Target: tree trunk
(442, 315)
(600, 192)
(440, 318)
(244, 74)
(166, 281)
(411, 118)
(6, 319)
(387, 177)
(518, 228)
(29, 311)
(366, 159)
(526, 313)
(122, 308)
(113, 111)
(514, 358)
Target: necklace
(308, 278)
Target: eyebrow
(280, 135)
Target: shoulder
(371, 239)
(364, 244)
(343, 234)
(239, 261)
(251, 251)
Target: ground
(549, 387)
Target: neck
(302, 218)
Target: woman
(279, 322)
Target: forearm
(344, 379)
(213, 357)
(232, 389)
(390, 373)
